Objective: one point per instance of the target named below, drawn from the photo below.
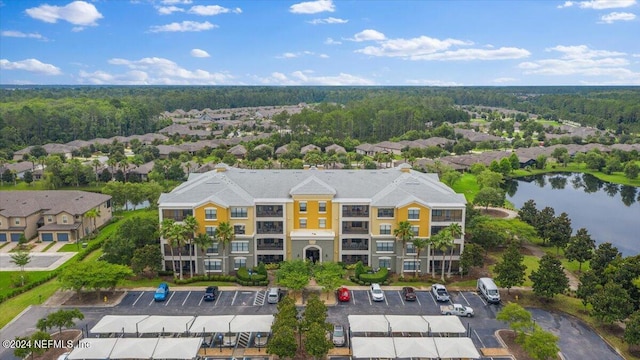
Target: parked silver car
(338, 336)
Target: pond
(610, 212)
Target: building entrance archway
(312, 253)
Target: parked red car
(343, 294)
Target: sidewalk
(573, 280)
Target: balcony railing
(355, 212)
(273, 246)
(271, 211)
(270, 228)
(355, 230)
(355, 246)
(446, 218)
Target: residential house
(335, 148)
(238, 151)
(62, 215)
(307, 148)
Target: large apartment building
(314, 214)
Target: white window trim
(214, 230)
(385, 251)
(325, 207)
(412, 261)
(306, 207)
(205, 214)
(213, 260)
(380, 229)
(239, 258)
(409, 209)
(415, 233)
(239, 242)
(320, 220)
(385, 258)
(306, 224)
(391, 217)
(238, 207)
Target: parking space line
(185, 299)
(170, 297)
(481, 299)
(465, 299)
(433, 299)
(353, 297)
(217, 298)
(153, 299)
(418, 300)
(234, 298)
(369, 297)
(400, 295)
(200, 302)
(135, 302)
(478, 336)
(385, 300)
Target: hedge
(217, 277)
(250, 280)
(378, 277)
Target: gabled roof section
(312, 186)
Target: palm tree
(404, 234)
(225, 235)
(95, 164)
(190, 226)
(203, 242)
(419, 244)
(174, 234)
(442, 241)
(456, 231)
(93, 214)
(112, 162)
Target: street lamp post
(258, 336)
(220, 339)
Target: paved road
(576, 340)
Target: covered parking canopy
(118, 324)
(415, 347)
(368, 323)
(252, 323)
(133, 348)
(211, 324)
(165, 324)
(445, 324)
(407, 323)
(177, 348)
(373, 347)
(455, 348)
(93, 348)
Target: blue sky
(324, 42)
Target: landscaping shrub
(378, 277)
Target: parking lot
(481, 327)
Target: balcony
(355, 211)
(176, 214)
(269, 211)
(446, 215)
(270, 227)
(355, 244)
(270, 244)
(355, 227)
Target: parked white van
(488, 289)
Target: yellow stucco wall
(402, 214)
(198, 213)
(312, 214)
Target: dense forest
(38, 115)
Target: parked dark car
(211, 294)
(409, 293)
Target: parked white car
(376, 292)
(440, 292)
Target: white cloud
(307, 78)
(312, 7)
(77, 13)
(580, 60)
(368, 35)
(428, 48)
(617, 16)
(606, 4)
(211, 10)
(20, 34)
(330, 41)
(329, 20)
(154, 71)
(199, 53)
(426, 82)
(503, 80)
(291, 55)
(323, 56)
(599, 4)
(168, 10)
(31, 65)
(183, 26)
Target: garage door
(47, 237)
(63, 237)
(3, 237)
(15, 236)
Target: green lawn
(548, 123)
(467, 185)
(14, 306)
(5, 279)
(616, 177)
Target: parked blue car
(161, 292)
